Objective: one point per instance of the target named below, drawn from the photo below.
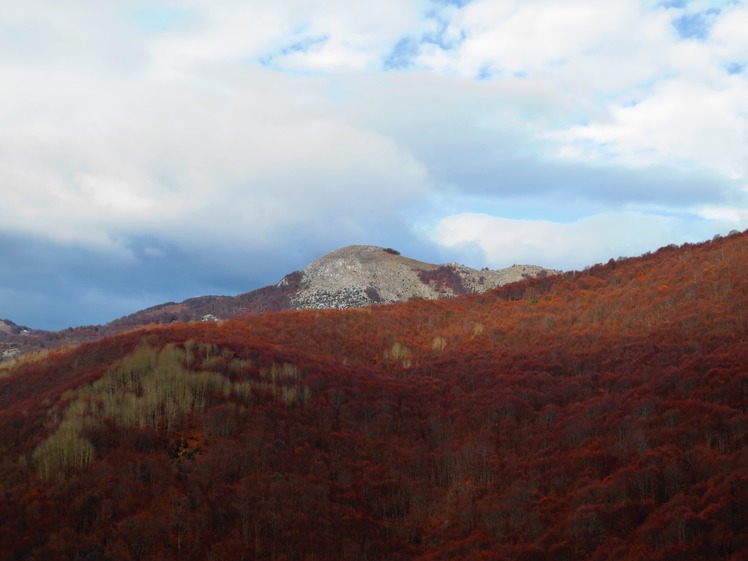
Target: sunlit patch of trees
(156, 388)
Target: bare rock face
(9, 353)
(362, 275)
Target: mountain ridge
(351, 276)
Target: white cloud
(566, 246)
(525, 37)
(734, 217)
(635, 91)
(579, 44)
(290, 34)
(728, 34)
(170, 159)
(680, 122)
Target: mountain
(361, 275)
(597, 415)
(349, 277)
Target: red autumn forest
(598, 415)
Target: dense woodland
(597, 415)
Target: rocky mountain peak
(361, 275)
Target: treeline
(599, 415)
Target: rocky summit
(363, 275)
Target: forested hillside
(349, 277)
(597, 415)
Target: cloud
(519, 38)
(289, 34)
(680, 122)
(574, 245)
(492, 146)
(273, 162)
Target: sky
(154, 151)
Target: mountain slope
(595, 415)
(353, 276)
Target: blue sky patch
(735, 68)
(159, 19)
(692, 26)
(458, 3)
(304, 45)
(402, 54)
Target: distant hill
(596, 415)
(349, 277)
(18, 339)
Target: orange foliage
(593, 415)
